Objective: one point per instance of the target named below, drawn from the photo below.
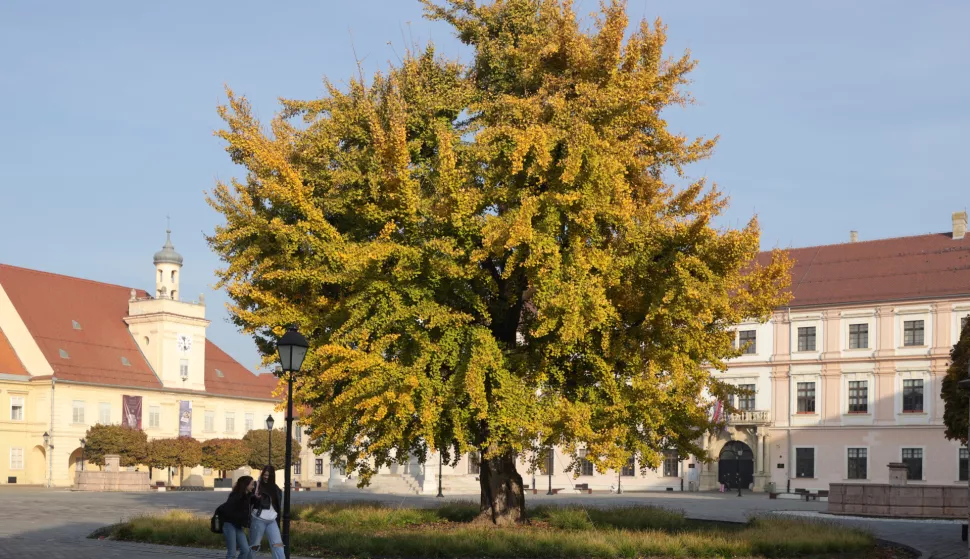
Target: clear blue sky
(833, 115)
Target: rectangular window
(104, 413)
(210, 421)
(806, 338)
(913, 332)
(548, 463)
(671, 463)
(16, 459)
(858, 463)
(154, 417)
(207, 471)
(805, 462)
(184, 369)
(298, 434)
(474, 463)
(913, 458)
(913, 395)
(318, 466)
(16, 408)
(747, 341)
(297, 467)
(77, 415)
(964, 472)
(858, 336)
(248, 422)
(746, 401)
(230, 422)
(858, 396)
(629, 470)
(585, 466)
(806, 397)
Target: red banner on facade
(131, 411)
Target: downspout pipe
(50, 446)
(791, 452)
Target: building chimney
(853, 236)
(959, 225)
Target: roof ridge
(926, 235)
(65, 276)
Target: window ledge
(904, 412)
(856, 413)
(858, 349)
(806, 413)
(913, 347)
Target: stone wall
(112, 478)
(898, 501)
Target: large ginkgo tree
(497, 257)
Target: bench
(810, 496)
(584, 487)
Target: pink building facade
(847, 379)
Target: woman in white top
(266, 513)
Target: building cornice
(168, 391)
(158, 316)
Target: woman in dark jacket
(265, 519)
(235, 517)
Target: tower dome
(168, 255)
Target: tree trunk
(503, 498)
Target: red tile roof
(9, 362)
(50, 304)
(920, 267)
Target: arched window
(173, 295)
(159, 276)
(173, 276)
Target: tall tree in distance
(258, 451)
(223, 455)
(495, 257)
(955, 400)
(131, 445)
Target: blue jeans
(235, 541)
(257, 527)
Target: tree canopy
(257, 445)
(130, 444)
(223, 455)
(180, 452)
(956, 401)
(500, 256)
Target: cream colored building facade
(71, 350)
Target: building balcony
(750, 417)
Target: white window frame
(959, 311)
(845, 464)
(249, 422)
(77, 418)
(923, 465)
(184, 369)
(22, 459)
(794, 458)
(923, 313)
(914, 371)
(154, 417)
(810, 373)
(22, 400)
(230, 422)
(101, 409)
(865, 374)
(209, 421)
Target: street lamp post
(50, 448)
(269, 430)
(550, 463)
(737, 456)
(292, 349)
(83, 445)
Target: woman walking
(235, 517)
(266, 514)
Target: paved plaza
(53, 524)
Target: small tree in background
(955, 400)
(225, 454)
(257, 441)
(181, 453)
(128, 443)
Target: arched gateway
(735, 465)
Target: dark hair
(242, 484)
(272, 474)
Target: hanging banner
(185, 418)
(131, 411)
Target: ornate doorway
(735, 465)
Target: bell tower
(169, 329)
(168, 267)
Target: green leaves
(489, 257)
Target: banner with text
(185, 418)
(131, 411)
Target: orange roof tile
(10, 364)
(50, 304)
(920, 267)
